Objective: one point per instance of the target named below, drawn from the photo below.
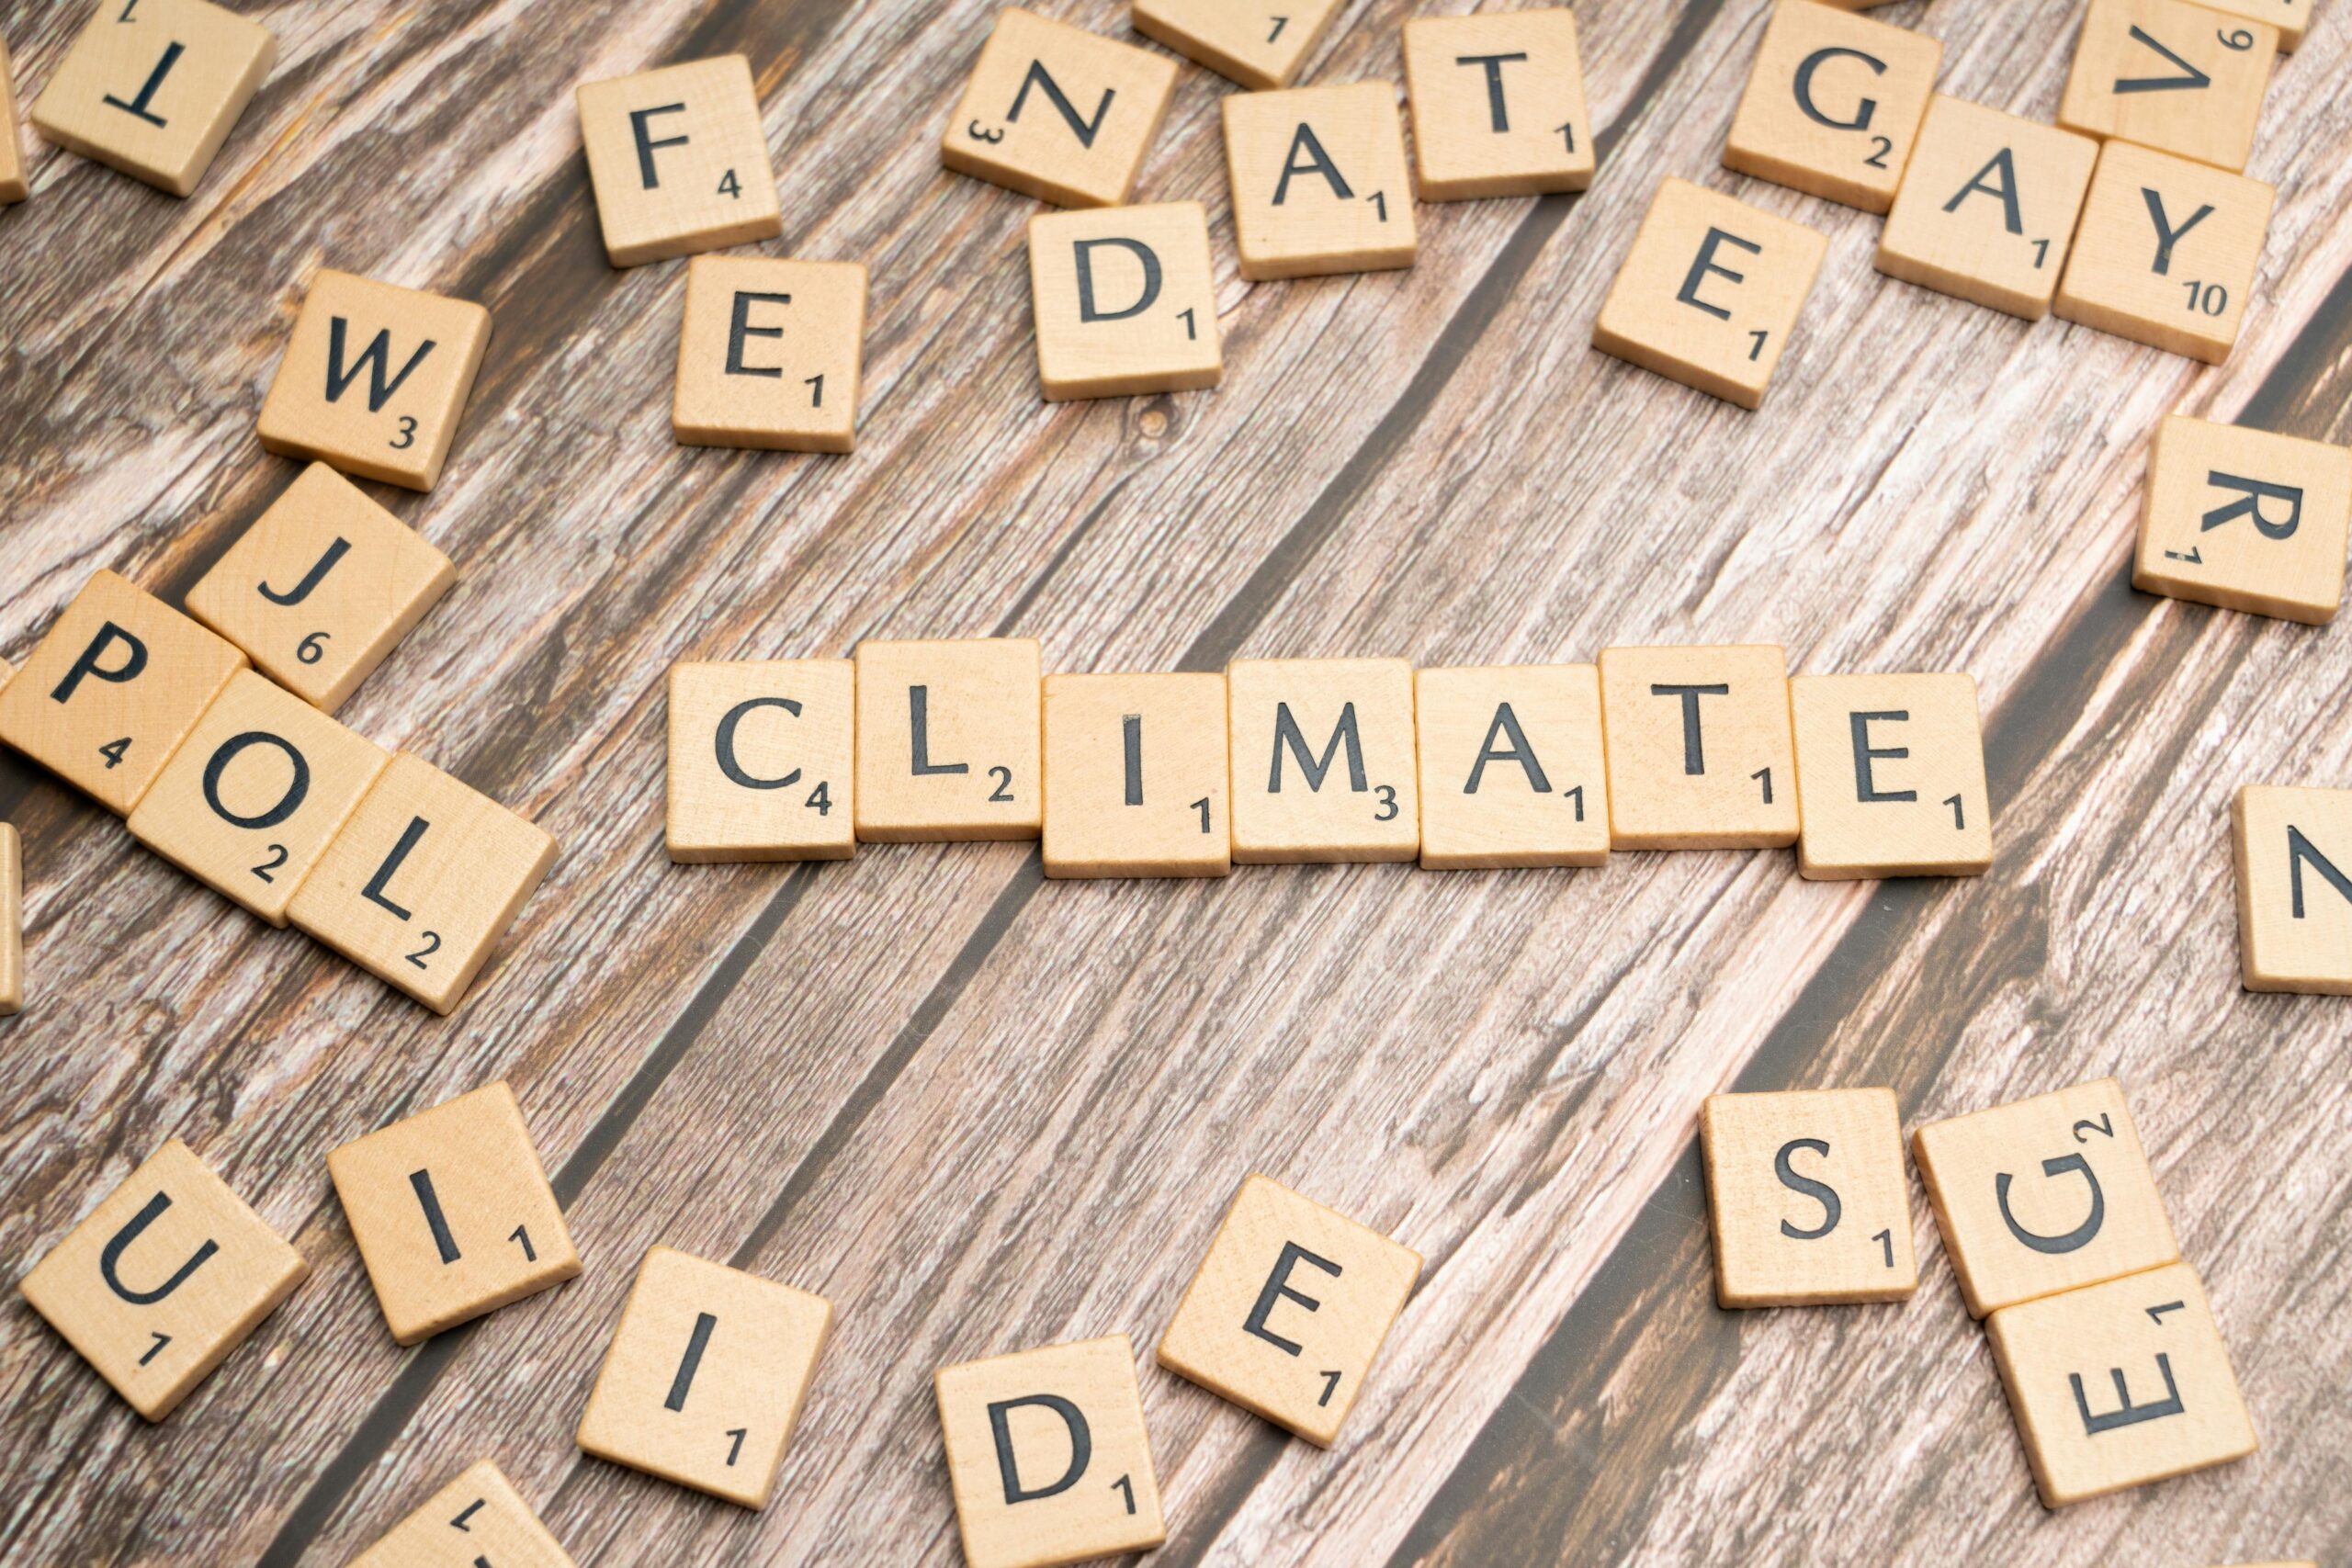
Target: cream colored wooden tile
(113, 688)
(704, 1377)
(1890, 777)
(166, 1276)
(2176, 77)
(1700, 755)
(2245, 519)
(1512, 771)
(13, 179)
(1059, 113)
(452, 1213)
(1289, 1310)
(250, 803)
(679, 161)
(763, 761)
(2294, 860)
(1499, 104)
(1125, 301)
(2292, 17)
(772, 354)
(1318, 181)
(478, 1518)
(1833, 104)
(1323, 761)
(374, 379)
(1136, 777)
(422, 882)
(1987, 208)
(2167, 252)
(152, 87)
(949, 743)
(1807, 1198)
(1710, 292)
(1048, 1456)
(2119, 1384)
(2044, 1195)
(1258, 43)
(321, 588)
(12, 923)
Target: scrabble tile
(374, 379)
(705, 1376)
(1135, 777)
(321, 588)
(13, 180)
(2294, 858)
(1289, 1309)
(2167, 252)
(1059, 113)
(771, 354)
(763, 757)
(1987, 208)
(478, 1518)
(2044, 1195)
(1700, 754)
(1125, 301)
(12, 923)
(152, 87)
(1512, 771)
(1890, 777)
(2246, 520)
(679, 161)
(2118, 1384)
(422, 882)
(1318, 181)
(2292, 17)
(1833, 104)
(1499, 104)
(1258, 43)
(452, 1213)
(1048, 1456)
(1807, 1198)
(948, 740)
(2176, 77)
(113, 688)
(1333, 740)
(168, 1274)
(1710, 292)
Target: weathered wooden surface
(981, 1112)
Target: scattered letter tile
(2167, 74)
(1059, 113)
(1125, 301)
(2246, 520)
(771, 354)
(1807, 1198)
(1498, 104)
(949, 740)
(1834, 104)
(679, 161)
(1258, 43)
(763, 761)
(1700, 755)
(478, 1518)
(2167, 252)
(1987, 208)
(12, 923)
(12, 182)
(1513, 770)
(2294, 855)
(153, 88)
(1323, 761)
(1318, 181)
(1890, 777)
(1135, 777)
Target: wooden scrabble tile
(1710, 292)
(1499, 104)
(1834, 104)
(949, 740)
(1512, 771)
(452, 1213)
(2118, 1384)
(771, 354)
(2245, 519)
(152, 87)
(1048, 1456)
(2294, 857)
(374, 379)
(1125, 301)
(1258, 43)
(13, 181)
(113, 688)
(1333, 740)
(12, 923)
(168, 1274)
(2176, 77)
(1890, 777)
(1136, 777)
(1059, 113)
(321, 588)
(2044, 1195)
(1318, 181)
(1987, 207)
(478, 1518)
(1289, 1309)
(422, 882)
(2167, 252)
(763, 761)
(705, 1376)
(1807, 1198)
(1700, 754)
(2292, 17)
(679, 161)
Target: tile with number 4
(1833, 104)
(678, 158)
(771, 354)
(1512, 768)
(1499, 104)
(1059, 113)
(1125, 301)
(949, 736)
(1807, 1199)
(1987, 208)
(478, 1518)
(1258, 43)
(1136, 777)
(2166, 253)
(2245, 519)
(2168, 75)
(2294, 865)
(1318, 181)
(152, 87)
(762, 761)
(1890, 777)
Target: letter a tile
(478, 1518)
(1136, 777)
(1499, 104)
(151, 88)
(2170, 75)
(1125, 301)
(1318, 180)
(2246, 520)
(679, 159)
(2166, 253)
(1987, 208)
(948, 740)
(1890, 777)
(762, 761)
(1258, 43)
(1323, 761)
(771, 354)
(1059, 113)
(1513, 771)
(2294, 858)
(1700, 756)
(1834, 104)
(1807, 1198)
